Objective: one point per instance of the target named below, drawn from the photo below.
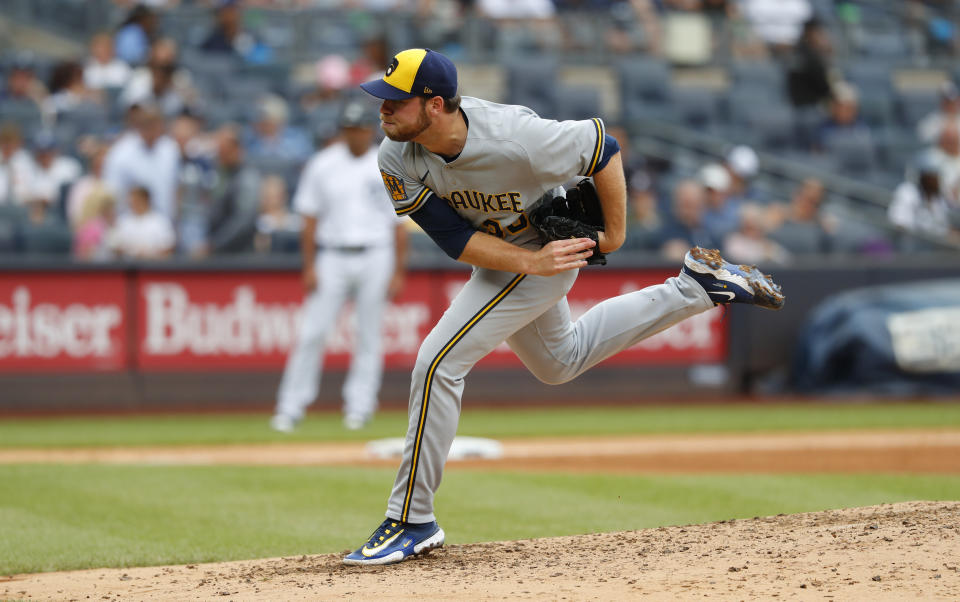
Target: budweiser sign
(241, 326)
(62, 321)
(215, 321)
(252, 320)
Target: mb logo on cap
(416, 72)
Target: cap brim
(382, 89)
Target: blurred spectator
(16, 166)
(52, 173)
(332, 78)
(146, 157)
(920, 205)
(934, 23)
(89, 185)
(373, 59)
(160, 82)
(275, 217)
(802, 229)
(272, 137)
(779, 23)
(103, 69)
(636, 25)
(234, 198)
(721, 214)
(749, 244)
(743, 164)
(135, 34)
(844, 117)
(22, 84)
(522, 24)
(150, 3)
(94, 236)
(685, 227)
(228, 36)
(947, 156)
(143, 233)
(68, 90)
(808, 81)
(930, 126)
(643, 217)
(186, 130)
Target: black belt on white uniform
(346, 248)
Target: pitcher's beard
(410, 132)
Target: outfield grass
(325, 426)
(74, 517)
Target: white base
(463, 448)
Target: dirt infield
(891, 552)
(928, 451)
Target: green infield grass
(75, 517)
(186, 429)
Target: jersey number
(492, 226)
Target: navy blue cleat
(394, 541)
(728, 283)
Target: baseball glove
(578, 215)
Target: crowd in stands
(131, 151)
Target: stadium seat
(217, 71)
(26, 114)
(916, 104)
(86, 118)
(852, 155)
(532, 81)
(284, 241)
(50, 238)
(695, 107)
(801, 239)
(644, 87)
(772, 126)
(889, 46)
(878, 110)
(764, 74)
(11, 219)
(329, 33)
(742, 101)
(578, 102)
(869, 76)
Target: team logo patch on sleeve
(394, 186)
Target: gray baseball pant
(531, 314)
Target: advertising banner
(250, 320)
(63, 322)
(226, 321)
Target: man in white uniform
(469, 172)
(353, 246)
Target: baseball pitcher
(484, 181)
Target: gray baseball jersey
(510, 159)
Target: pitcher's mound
(894, 552)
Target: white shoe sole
(282, 424)
(430, 543)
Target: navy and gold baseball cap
(416, 72)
